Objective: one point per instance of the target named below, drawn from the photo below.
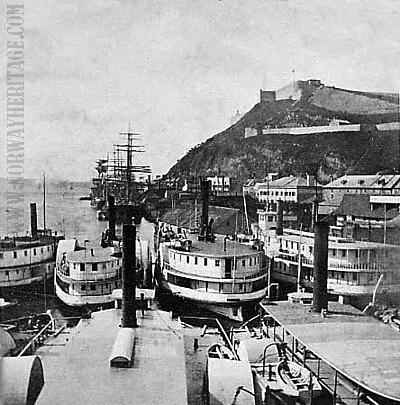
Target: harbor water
(68, 215)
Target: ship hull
(28, 277)
(234, 308)
(82, 300)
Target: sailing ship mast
(122, 168)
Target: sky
(177, 70)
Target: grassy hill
(368, 151)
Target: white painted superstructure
(24, 260)
(221, 280)
(87, 276)
(354, 267)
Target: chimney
(320, 289)
(129, 276)
(279, 222)
(111, 217)
(205, 193)
(34, 229)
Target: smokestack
(111, 217)
(279, 222)
(205, 193)
(320, 289)
(128, 276)
(34, 229)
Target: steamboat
(25, 260)
(214, 272)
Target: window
(343, 253)
(243, 263)
(48, 248)
(94, 266)
(205, 261)
(195, 260)
(41, 250)
(104, 266)
(333, 252)
(15, 255)
(250, 262)
(217, 263)
(83, 287)
(82, 266)
(1, 255)
(34, 252)
(7, 273)
(92, 287)
(187, 259)
(354, 276)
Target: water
(67, 215)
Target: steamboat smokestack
(320, 289)
(111, 217)
(205, 194)
(34, 229)
(128, 276)
(279, 221)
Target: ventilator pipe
(21, 380)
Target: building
(220, 184)
(288, 189)
(370, 184)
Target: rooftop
(335, 242)
(378, 181)
(77, 367)
(216, 249)
(92, 255)
(358, 346)
(289, 182)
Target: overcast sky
(179, 69)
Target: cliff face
(368, 150)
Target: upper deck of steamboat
(222, 247)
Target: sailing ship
(214, 272)
(121, 177)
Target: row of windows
(15, 254)
(93, 288)
(94, 266)
(281, 267)
(278, 193)
(225, 288)
(217, 262)
(34, 268)
(333, 252)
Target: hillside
(302, 104)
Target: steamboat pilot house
(87, 276)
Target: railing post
(335, 388)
